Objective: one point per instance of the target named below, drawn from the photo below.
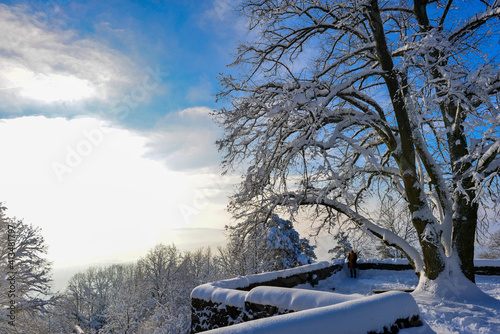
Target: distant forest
(149, 296)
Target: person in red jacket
(352, 258)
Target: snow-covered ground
(480, 316)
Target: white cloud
(221, 9)
(44, 64)
(112, 200)
(185, 140)
(223, 19)
(196, 114)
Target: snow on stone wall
(477, 262)
(220, 303)
(296, 299)
(487, 267)
(207, 290)
(486, 263)
(378, 314)
(225, 303)
(229, 297)
(483, 267)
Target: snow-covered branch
(343, 98)
(387, 236)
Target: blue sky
(190, 41)
(105, 129)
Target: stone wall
(213, 306)
(384, 266)
(210, 314)
(487, 270)
(206, 315)
(388, 313)
(482, 267)
(294, 280)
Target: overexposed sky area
(105, 134)
(93, 190)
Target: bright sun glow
(50, 87)
(54, 87)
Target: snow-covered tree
(334, 97)
(343, 247)
(394, 216)
(160, 269)
(54, 319)
(150, 296)
(25, 273)
(284, 248)
(233, 262)
(272, 245)
(493, 245)
(123, 312)
(167, 290)
(198, 267)
(106, 299)
(89, 293)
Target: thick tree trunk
(434, 260)
(464, 234)
(465, 209)
(432, 252)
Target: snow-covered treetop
(339, 97)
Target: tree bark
(428, 236)
(464, 233)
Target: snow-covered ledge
(295, 299)
(222, 303)
(385, 313)
(229, 302)
(487, 267)
(246, 282)
(482, 267)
